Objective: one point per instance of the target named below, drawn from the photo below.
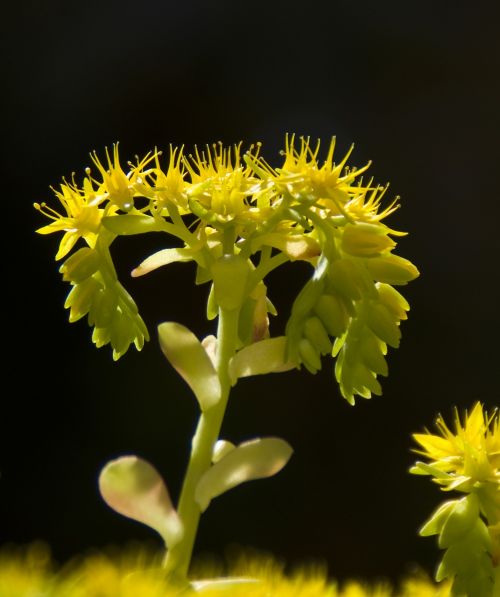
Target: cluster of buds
(466, 460)
(225, 206)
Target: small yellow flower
(120, 188)
(330, 187)
(468, 455)
(170, 186)
(82, 219)
(222, 184)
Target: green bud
(130, 224)
(393, 300)
(460, 520)
(372, 351)
(103, 308)
(80, 266)
(316, 334)
(382, 323)
(309, 356)
(80, 298)
(365, 240)
(121, 334)
(333, 314)
(230, 274)
(344, 278)
(435, 523)
(392, 269)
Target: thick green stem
(207, 433)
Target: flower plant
(238, 219)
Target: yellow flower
(469, 455)
(118, 187)
(170, 186)
(82, 219)
(330, 187)
(222, 185)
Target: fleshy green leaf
(161, 258)
(266, 356)
(221, 585)
(435, 523)
(188, 357)
(256, 459)
(460, 520)
(131, 224)
(134, 488)
(221, 448)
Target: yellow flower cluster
(29, 572)
(467, 456)
(466, 459)
(220, 201)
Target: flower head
(470, 454)
(83, 215)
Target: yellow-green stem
(207, 433)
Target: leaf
(255, 459)
(221, 448)
(266, 356)
(164, 257)
(134, 488)
(188, 357)
(222, 585)
(130, 224)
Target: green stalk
(207, 433)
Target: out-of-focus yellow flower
(470, 454)
(25, 572)
(28, 572)
(82, 219)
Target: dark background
(416, 86)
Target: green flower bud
(103, 308)
(365, 240)
(380, 321)
(372, 351)
(460, 521)
(392, 269)
(80, 266)
(309, 356)
(333, 314)
(393, 300)
(317, 335)
(80, 298)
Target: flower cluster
(222, 202)
(30, 572)
(466, 460)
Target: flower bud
(392, 269)
(80, 266)
(381, 322)
(333, 314)
(365, 240)
(317, 335)
(309, 356)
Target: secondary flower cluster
(219, 202)
(466, 460)
(138, 574)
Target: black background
(416, 86)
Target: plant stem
(207, 432)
